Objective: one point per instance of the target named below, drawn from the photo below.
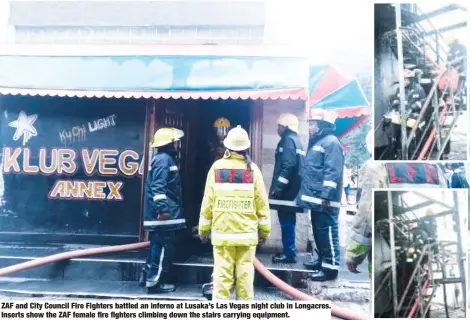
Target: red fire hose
(293, 292)
(418, 299)
(431, 138)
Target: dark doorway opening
(196, 118)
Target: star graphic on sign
(24, 127)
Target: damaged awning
(156, 76)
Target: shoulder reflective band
(281, 149)
(301, 152)
(283, 180)
(331, 184)
(159, 197)
(232, 204)
(173, 168)
(319, 149)
(413, 173)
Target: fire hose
(291, 291)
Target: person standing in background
(321, 190)
(286, 183)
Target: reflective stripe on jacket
(322, 174)
(286, 178)
(235, 207)
(163, 195)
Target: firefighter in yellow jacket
(235, 214)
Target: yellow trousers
(234, 264)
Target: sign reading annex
(65, 161)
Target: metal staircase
(425, 49)
(411, 281)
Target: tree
(354, 142)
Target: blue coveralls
(162, 195)
(284, 188)
(322, 178)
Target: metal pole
(401, 74)
(391, 225)
(460, 253)
(437, 120)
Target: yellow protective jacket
(235, 208)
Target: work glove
(261, 239)
(204, 237)
(163, 217)
(274, 194)
(325, 204)
(352, 266)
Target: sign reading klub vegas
(71, 165)
(110, 163)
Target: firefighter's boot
(325, 275)
(207, 289)
(161, 288)
(282, 258)
(143, 275)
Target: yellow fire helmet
(322, 115)
(450, 39)
(222, 122)
(289, 120)
(165, 136)
(428, 212)
(237, 139)
(222, 126)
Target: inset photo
(420, 253)
(420, 90)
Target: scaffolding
(431, 48)
(414, 299)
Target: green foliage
(357, 154)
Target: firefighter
(163, 214)
(456, 56)
(286, 183)
(235, 213)
(414, 92)
(458, 180)
(375, 175)
(360, 239)
(217, 149)
(321, 191)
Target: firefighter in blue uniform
(286, 183)
(458, 180)
(321, 191)
(163, 214)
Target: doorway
(196, 118)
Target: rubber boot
(312, 265)
(282, 258)
(155, 285)
(161, 288)
(143, 275)
(325, 275)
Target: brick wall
(135, 35)
(271, 110)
